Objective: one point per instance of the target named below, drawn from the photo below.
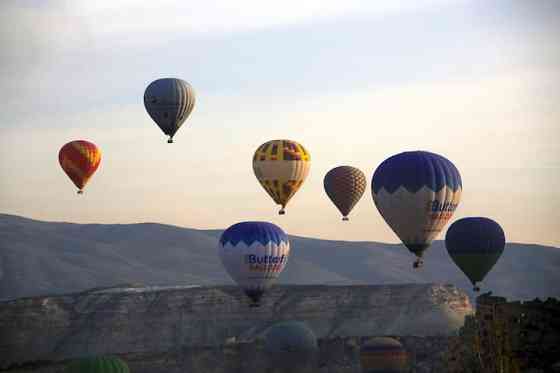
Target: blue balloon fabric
(414, 170)
(475, 235)
(253, 231)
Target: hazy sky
(353, 81)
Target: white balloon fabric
(416, 193)
(254, 254)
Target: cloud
(145, 18)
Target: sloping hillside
(47, 258)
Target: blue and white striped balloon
(254, 254)
(416, 193)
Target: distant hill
(38, 258)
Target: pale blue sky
(354, 81)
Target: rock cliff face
(153, 321)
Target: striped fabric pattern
(254, 254)
(383, 355)
(281, 167)
(416, 193)
(169, 102)
(79, 159)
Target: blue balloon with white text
(254, 254)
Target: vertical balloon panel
(79, 159)
(169, 102)
(416, 193)
(281, 167)
(254, 254)
(255, 266)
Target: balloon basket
(282, 212)
(345, 218)
(80, 191)
(476, 288)
(170, 141)
(417, 264)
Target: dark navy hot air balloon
(475, 245)
(291, 346)
(254, 254)
(416, 193)
(169, 102)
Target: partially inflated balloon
(291, 347)
(416, 193)
(79, 159)
(383, 355)
(345, 185)
(254, 254)
(281, 167)
(107, 364)
(475, 245)
(287, 336)
(169, 102)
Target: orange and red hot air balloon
(79, 159)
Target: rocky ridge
(168, 320)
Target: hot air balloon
(281, 167)
(383, 355)
(106, 364)
(416, 193)
(475, 245)
(79, 159)
(345, 185)
(291, 346)
(254, 254)
(169, 102)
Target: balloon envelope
(290, 336)
(345, 185)
(79, 159)
(254, 254)
(169, 102)
(383, 355)
(475, 244)
(107, 364)
(281, 167)
(416, 193)
(291, 347)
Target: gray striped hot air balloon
(169, 102)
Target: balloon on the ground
(416, 193)
(345, 185)
(79, 159)
(105, 364)
(291, 346)
(254, 254)
(475, 244)
(383, 355)
(169, 102)
(290, 336)
(281, 167)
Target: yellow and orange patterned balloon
(79, 159)
(281, 167)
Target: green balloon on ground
(105, 364)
